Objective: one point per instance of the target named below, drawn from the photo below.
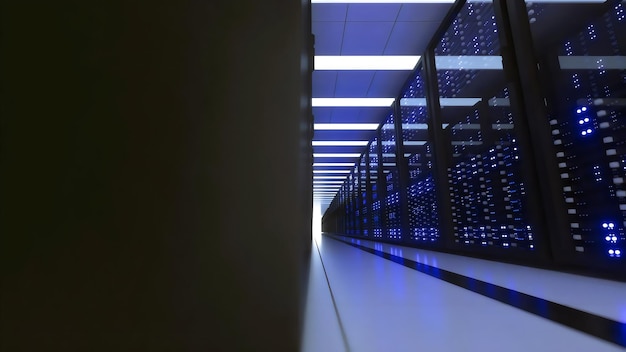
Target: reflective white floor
(384, 306)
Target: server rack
(390, 179)
(415, 133)
(574, 75)
(376, 206)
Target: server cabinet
(415, 131)
(355, 199)
(365, 199)
(348, 207)
(376, 193)
(391, 180)
(579, 94)
(491, 183)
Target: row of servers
(508, 141)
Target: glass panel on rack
(421, 197)
(393, 227)
(363, 190)
(356, 209)
(486, 189)
(376, 216)
(582, 54)
(349, 206)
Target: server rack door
(581, 51)
(366, 195)
(376, 204)
(356, 199)
(347, 216)
(423, 210)
(486, 166)
(392, 208)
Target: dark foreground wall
(155, 175)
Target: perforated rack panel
(484, 174)
(423, 210)
(376, 210)
(586, 71)
(393, 226)
(365, 214)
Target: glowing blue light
(608, 238)
(584, 108)
(584, 133)
(618, 252)
(611, 225)
(589, 130)
(580, 122)
(614, 239)
(579, 111)
(586, 119)
(605, 225)
(611, 252)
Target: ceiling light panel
(332, 171)
(333, 164)
(345, 126)
(352, 102)
(336, 155)
(356, 62)
(339, 143)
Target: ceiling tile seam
(343, 32)
(343, 36)
(391, 32)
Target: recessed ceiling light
(345, 126)
(339, 143)
(336, 155)
(354, 62)
(331, 171)
(333, 164)
(352, 102)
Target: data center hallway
(359, 300)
